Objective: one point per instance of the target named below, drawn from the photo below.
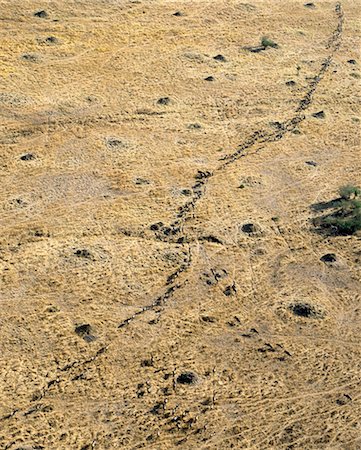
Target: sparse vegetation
(349, 191)
(346, 216)
(264, 44)
(267, 42)
(348, 219)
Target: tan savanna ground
(77, 245)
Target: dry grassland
(161, 281)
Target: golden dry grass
(109, 162)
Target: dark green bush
(345, 225)
(345, 215)
(266, 42)
(349, 191)
(345, 220)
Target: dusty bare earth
(161, 280)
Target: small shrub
(346, 225)
(346, 219)
(266, 42)
(349, 191)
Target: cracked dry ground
(161, 282)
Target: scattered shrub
(346, 217)
(349, 191)
(266, 42)
(347, 220)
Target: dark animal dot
(156, 226)
(51, 40)
(249, 228)
(40, 233)
(27, 157)
(29, 57)
(220, 273)
(163, 101)
(187, 378)
(344, 399)
(311, 163)
(352, 61)
(210, 78)
(328, 258)
(147, 363)
(82, 253)
(19, 202)
(219, 58)
(169, 231)
(42, 14)
(310, 5)
(290, 83)
(83, 329)
(277, 125)
(319, 115)
(139, 181)
(178, 14)
(230, 290)
(113, 143)
(304, 310)
(208, 319)
(201, 175)
(194, 126)
(211, 238)
(257, 49)
(156, 408)
(186, 192)
(87, 447)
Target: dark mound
(41, 14)
(82, 253)
(84, 331)
(27, 157)
(249, 228)
(219, 58)
(187, 378)
(51, 40)
(114, 143)
(305, 310)
(156, 226)
(163, 101)
(328, 258)
(319, 115)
